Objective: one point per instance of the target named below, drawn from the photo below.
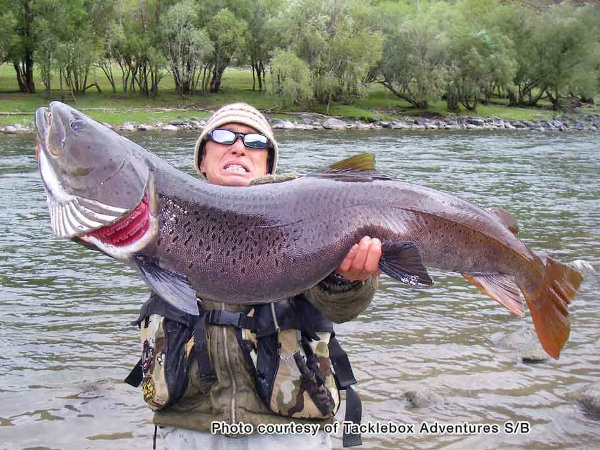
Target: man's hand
(362, 261)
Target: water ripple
(66, 341)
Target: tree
(290, 79)
(21, 14)
(186, 44)
(570, 51)
(78, 47)
(7, 23)
(412, 63)
(262, 37)
(518, 25)
(336, 42)
(75, 58)
(478, 59)
(47, 42)
(139, 52)
(557, 52)
(106, 31)
(226, 32)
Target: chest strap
(345, 379)
(235, 319)
(201, 352)
(214, 317)
(205, 368)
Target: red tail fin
(548, 305)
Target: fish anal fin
(403, 262)
(171, 286)
(507, 219)
(500, 287)
(548, 305)
(357, 168)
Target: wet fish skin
(269, 242)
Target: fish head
(96, 181)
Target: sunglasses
(228, 137)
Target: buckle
(223, 317)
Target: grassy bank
(237, 86)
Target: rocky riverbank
(580, 122)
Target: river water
(66, 343)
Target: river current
(425, 358)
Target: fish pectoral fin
(357, 168)
(500, 287)
(403, 262)
(171, 286)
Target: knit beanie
(238, 113)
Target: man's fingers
(360, 258)
(373, 257)
(347, 262)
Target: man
(236, 148)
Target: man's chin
(232, 179)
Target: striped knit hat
(238, 113)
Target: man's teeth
(235, 168)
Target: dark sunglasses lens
(223, 136)
(254, 140)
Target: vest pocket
(293, 369)
(168, 372)
(165, 362)
(303, 385)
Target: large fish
(269, 242)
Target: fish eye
(77, 125)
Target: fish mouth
(43, 120)
(42, 124)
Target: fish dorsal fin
(507, 219)
(363, 162)
(359, 167)
(500, 287)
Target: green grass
(236, 86)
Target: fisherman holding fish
(237, 336)
(242, 397)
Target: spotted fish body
(240, 244)
(269, 242)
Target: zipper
(228, 363)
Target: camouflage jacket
(233, 398)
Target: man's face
(235, 164)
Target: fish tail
(548, 303)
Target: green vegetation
(167, 105)
(157, 60)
